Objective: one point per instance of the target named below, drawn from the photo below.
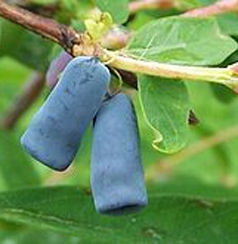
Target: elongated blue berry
(56, 67)
(116, 172)
(55, 132)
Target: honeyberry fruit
(117, 179)
(55, 132)
(56, 67)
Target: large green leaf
(178, 40)
(223, 93)
(168, 219)
(191, 187)
(36, 236)
(166, 107)
(118, 9)
(24, 46)
(15, 168)
(228, 23)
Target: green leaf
(178, 40)
(187, 4)
(228, 23)
(24, 46)
(223, 93)
(36, 236)
(168, 219)
(15, 168)
(118, 9)
(166, 107)
(191, 187)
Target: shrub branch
(137, 6)
(69, 39)
(46, 27)
(226, 76)
(24, 100)
(219, 7)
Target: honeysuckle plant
(162, 48)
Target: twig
(58, 33)
(137, 6)
(24, 100)
(220, 7)
(166, 165)
(226, 76)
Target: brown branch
(24, 100)
(219, 7)
(48, 28)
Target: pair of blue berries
(56, 130)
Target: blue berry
(56, 67)
(55, 132)
(116, 172)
